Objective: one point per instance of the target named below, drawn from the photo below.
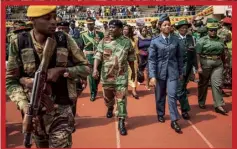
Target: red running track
(206, 129)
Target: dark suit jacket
(165, 59)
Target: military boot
(121, 127)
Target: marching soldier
(114, 53)
(154, 29)
(210, 52)
(189, 57)
(91, 38)
(53, 129)
(225, 34)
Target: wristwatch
(66, 73)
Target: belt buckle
(214, 57)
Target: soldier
(55, 128)
(18, 28)
(63, 26)
(114, 53)
(210, 52)
(225, 34)
(81, 84)
(189, 57)
(91, 39)
(154, 30)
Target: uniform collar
(182, 37)
(163, 36)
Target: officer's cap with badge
(90, 20)
(164, 17)
(116, 23)
(39, 10)
(212, 23)
(181, 23)
(21, 26)
(63, 23)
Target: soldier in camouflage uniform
(91, 39)
(225, 34)
(154, 30)
(189, 60)
(55, 128)
(114, 53)
(210, 52)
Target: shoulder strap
(24, 40)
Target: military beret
(181, 23)
(63, 23)
(227, 20)
(164, 17)
(90, 20)
(41, 10)
(116, 23)
(154, 20)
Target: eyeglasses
(213, 30)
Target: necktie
(167, 40)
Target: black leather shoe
(221, 110)
(202, 106)
(135, 96)
(121, 127)
(110, 112)
(187, 92)
(93, 98)
(161, 119)
(185, 115)
(175, 126)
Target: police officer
(56, 127)
(210, 52)
(189, 57)
(91, 39)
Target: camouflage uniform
(225, 34)
(58, 124)
(115, 55)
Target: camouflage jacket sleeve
(131, 52)
(81, 68)
(14, 89)
(99, 50)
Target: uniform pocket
(107, 54)
(62, 57)
(28, 60)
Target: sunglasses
(213, 30)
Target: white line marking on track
(201, 135)
(117, 134)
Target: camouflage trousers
(58, 128)
(118, 93)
